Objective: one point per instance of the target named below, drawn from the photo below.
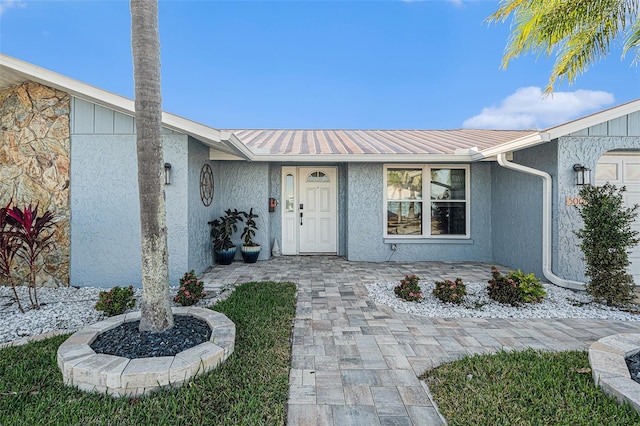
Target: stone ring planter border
(609, 368)
(117, 376)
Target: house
(507, 197)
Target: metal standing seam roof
(347, 142)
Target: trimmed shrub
(531, 289)
(191, 290)
(116, 301)
(606, 239)
(503, 289)
(515, 289)
(409, 289)
(450, 291)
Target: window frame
(426, 201)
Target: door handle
(300, 218)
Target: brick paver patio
(355, 362)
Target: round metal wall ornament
(206, 185)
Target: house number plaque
(575, 201)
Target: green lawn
(250, 388)
(524, 388)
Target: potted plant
(221, 231)
(250, 250)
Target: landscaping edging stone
(117, 376)
(609, 369)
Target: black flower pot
(225, 257)
(250, 253)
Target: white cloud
(528, 108)
(10, 4)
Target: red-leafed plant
(10, 244)
(35, 234)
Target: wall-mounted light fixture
(167, 173)
(583, 174)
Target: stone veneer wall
(34, 164)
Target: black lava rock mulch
(126, 341)
(633, 363)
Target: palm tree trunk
(155, 307)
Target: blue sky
(317, 64)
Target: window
(404, 201)
(317, 177)
(288, 193)
(446, 192)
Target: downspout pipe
(547, 199)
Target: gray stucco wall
(343, 210)
(105, 232)
(365, 221)
(517, 209)
(200, 247)
(586, 151)
(242, 185)
(275, 218)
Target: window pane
(607, 171)
(404, 184)
(317, 177)
(404, 218)
(448, 218)
(631, 172)
(288, 190)
(448, 184)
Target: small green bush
(515, 289)
(409, 289)
(450, 291)
(531, 289)
(191, 290)
(116, 301)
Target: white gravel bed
(65, 308)
(559, 303)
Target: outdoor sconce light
(583, 175)
(167, 173)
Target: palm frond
(633, 42)
(579, 32)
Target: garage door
(624, 169)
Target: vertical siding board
(103, 120)
(618, 126)
(633, 125)
(123, 124)
(583, 132)
(599, 130)
(82, 117)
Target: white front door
(623, 169)
(317, 209)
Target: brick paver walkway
(355, 362)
